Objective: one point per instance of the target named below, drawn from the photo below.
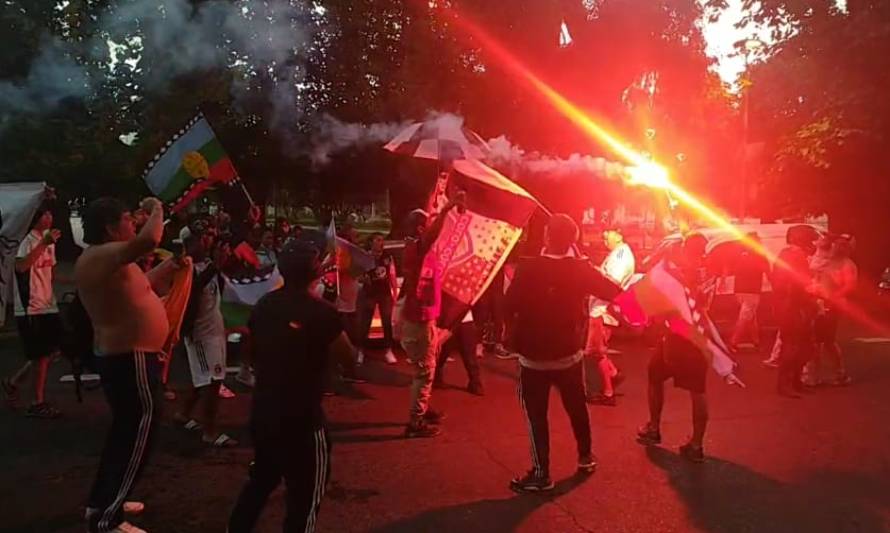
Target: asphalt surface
(819, 464)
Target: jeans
(534, 396)
(419, 339)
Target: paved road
(821, 464)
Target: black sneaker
(648, 435)
(694, 453)
(421, 431)
(433, 417)
(587, 464)
(602, 399)
(42, 410)
(531, 482)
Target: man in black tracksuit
(547, 310)
(293, 335)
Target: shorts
(825, 327)
(676, 357)
(41, 334)
(207, 360)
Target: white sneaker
(246, 377)
(360, 358)
(390, 357)
(225, 392)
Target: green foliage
(638, 66)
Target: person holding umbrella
(422, 293)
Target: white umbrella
(442, 139)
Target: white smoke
(503, 153)
(331, 136)
(53, 77)
(254, 38)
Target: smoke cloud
(53, 78)
(506, 154)
(331, 136)
(255, 38)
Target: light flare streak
(642, 170)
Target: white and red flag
(660, 295)
(474, 244)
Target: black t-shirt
(378, 277)
(749, 272)
(290, 334)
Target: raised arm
(432, 232)
(149, 236)
(109, 257)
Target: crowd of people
(145, 305)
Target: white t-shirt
(36, 282)
(620, 264)
(209, 322)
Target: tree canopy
(91, 89)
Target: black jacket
(546, 305)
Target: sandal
(10, 392)
(222, 441)
(42, 410)
(189, 424)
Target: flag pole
(238, 177)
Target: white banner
(18, 202)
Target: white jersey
(34, 287)
(209, 323)
(619, 266)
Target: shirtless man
(130, 329)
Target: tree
(819, 103)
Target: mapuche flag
(661, 295)
(240, 295)
(475, 244)
(192, 161)
(349, 258)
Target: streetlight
(751, 45)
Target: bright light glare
(643, 170)
(650, 175)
